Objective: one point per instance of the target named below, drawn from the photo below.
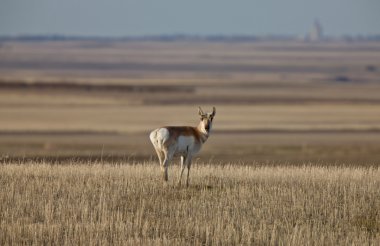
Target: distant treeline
(183, 37)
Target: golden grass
(74, 204)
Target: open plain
(276, 101)
(293, 158)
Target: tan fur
(176, 131)
(167, 142)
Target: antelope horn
(213, 111)
(200, 112)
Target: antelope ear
(200, 112)
(213, 111)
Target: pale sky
(197, 17)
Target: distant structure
(316, 32)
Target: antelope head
(206, 120)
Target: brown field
(293, 158)
(97, 204)
(280, 101)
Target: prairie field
(293, 157)
(280, 102)
(117, 204)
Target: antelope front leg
(183, 165)
(188, 160)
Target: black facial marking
(207, 127)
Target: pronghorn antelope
(185, 141)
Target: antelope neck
(203, 135)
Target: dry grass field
(293, 158)
(104, 204)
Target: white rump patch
(159, 136)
